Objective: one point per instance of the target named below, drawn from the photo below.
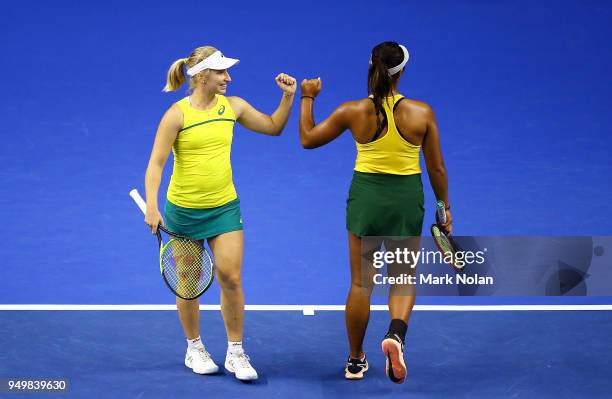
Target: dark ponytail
(384, 56)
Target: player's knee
(362, 287)
(229, 280)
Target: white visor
(214, 61)
(397, 68)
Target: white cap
(214, 61)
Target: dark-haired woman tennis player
(386, 194)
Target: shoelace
(204, 355)
(243, 360)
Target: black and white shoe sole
(396, 368)
(355, 376)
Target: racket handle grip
(441, 212)
(139, 201)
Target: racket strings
(445, 245)
(186, 267)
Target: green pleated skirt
(202, 223)
(385, 205)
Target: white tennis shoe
(238, 363)
(198, 359)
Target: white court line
(311, 309)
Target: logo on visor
(221, 110)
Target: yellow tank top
(202, 172)
(390, 154)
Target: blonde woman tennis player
(202, 202)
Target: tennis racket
(185, 264)
(443, 240)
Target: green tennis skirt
(385, 205)
(205, 222)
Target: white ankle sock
(235, 348)
(195, 343)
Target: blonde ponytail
(176, 75)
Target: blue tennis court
(521, 96)
(457, 354)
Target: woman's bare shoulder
(415, 107)
(360, 105)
